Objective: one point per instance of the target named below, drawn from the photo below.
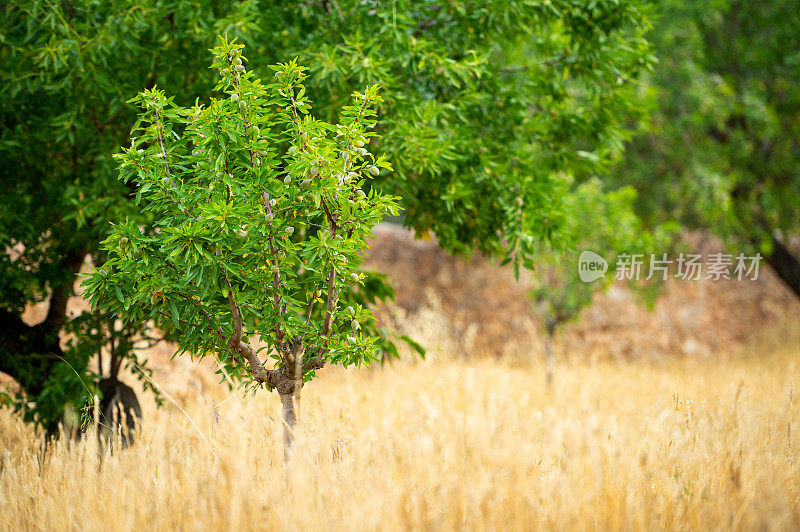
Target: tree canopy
(722, 148)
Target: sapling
(596, 220)
(254, 234)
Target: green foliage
(259, 218)
(722, 149)
(68, 70)
(486, 104)
(604, 223)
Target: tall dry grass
(442, 445)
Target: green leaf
(174, 314)
(414, 345)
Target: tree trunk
(786, 265)
(548, 356)
(120, 412)
(289, 421)
(29, 354)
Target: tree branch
(246, 124)
(297, 353)
(260, 374)
(276, 277)
(326, 329)
(161, 140)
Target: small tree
(259, 218)
(602, 222)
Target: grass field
(445, 444)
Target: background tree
(722, 152)
(484, 105)
(601, 222)
(71, 68)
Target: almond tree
(603, 222)
(722, 152)
(259, 218)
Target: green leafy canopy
(259, 219)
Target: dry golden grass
(444, 444)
